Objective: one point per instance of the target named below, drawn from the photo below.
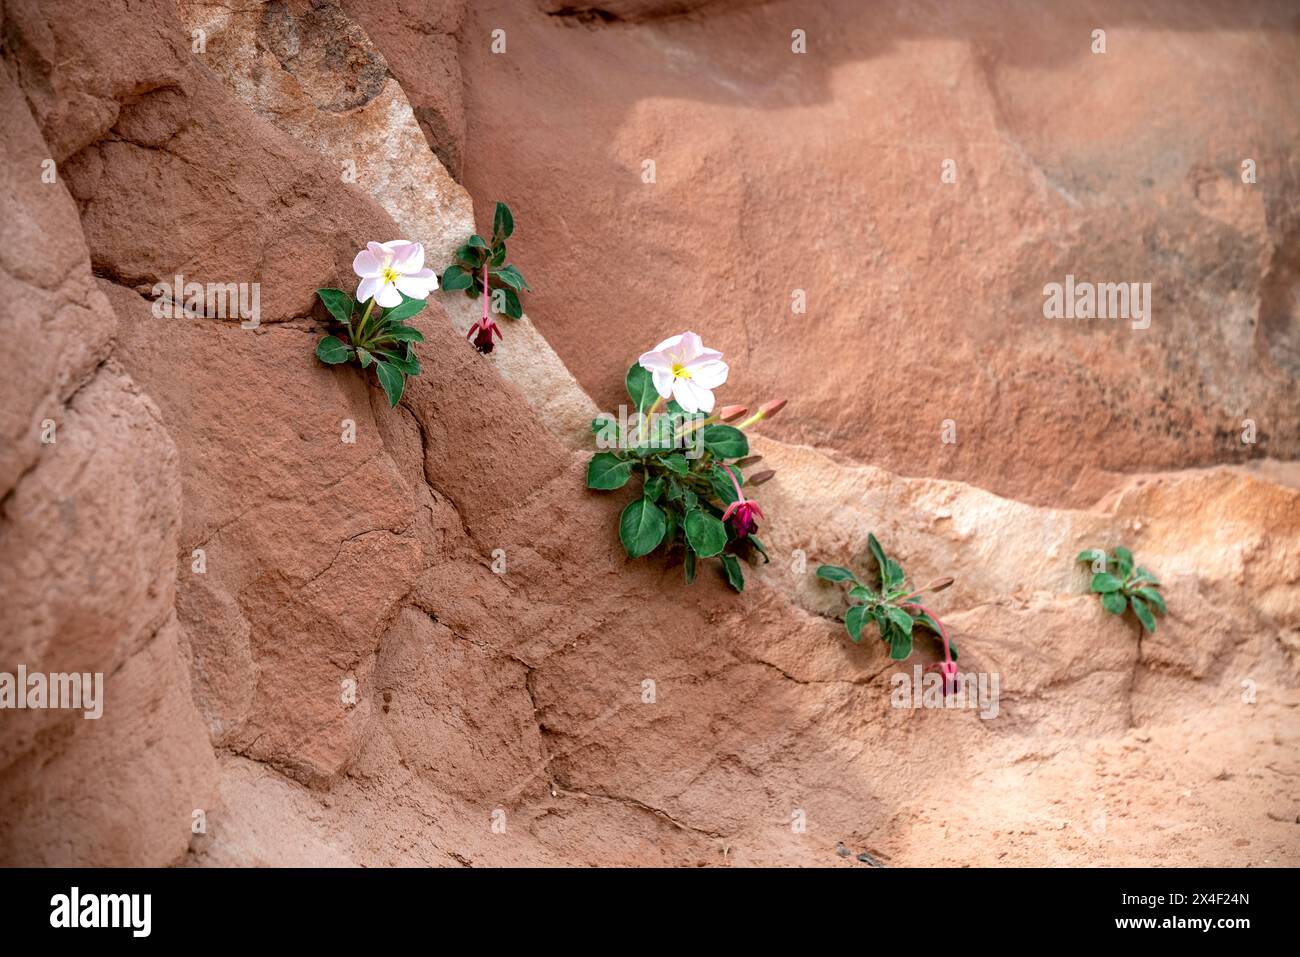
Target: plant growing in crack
(689, 459)
(394, 286)
(895, 608)
(480, 270)
(1129, 586)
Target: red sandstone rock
(502, 712)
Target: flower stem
(943, 632)
(640, 432)
(740, 496)
(361, 326)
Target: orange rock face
(335, 633)
(870, 223)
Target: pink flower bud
(769, 409)
(758, 478)
(729, 413)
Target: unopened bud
(730, 413)
(758, 478)
(769, 409)
(747, 461)
(939, 584)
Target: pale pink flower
(393, 269)
(684, 370)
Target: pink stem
(943, 632)
(740, 496)
(485, 293)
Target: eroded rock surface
(355, 635)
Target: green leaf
(1144, 614)
(1142, 575)
(690, 565)
(513, 309)
(404, 334)
(723, 488)
(1114, 602)
(1154, 598)
(900, 644)
(1104, 582)
(654, 488)
(503, 222)
(853, 621)
(472, 256)
(725, 441)
(392, 380)
(676, 463)
(367, 360)
(735, 577)
(861, 593)
(877, 553)
(893, 575)
(498, 254)
(835, 573)
(1124, 559)
(332, 350)
(455, 277)
(405, 364)
(405, 309)
(758, 546)
(1090, 555)
(476, 242)
(339, 304)
(641, 527)
(689, 500)
(511, 277)
(899, 618)
(606, 471)
(670, 532)
(641, 388)
(707, 535)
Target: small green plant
(479, 268)
(394, 286)
(892, 605)
(1129, 586)
(689, 461)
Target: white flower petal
(388, 296)
(418, 285)
(381, 254)
(691, 347)
(684, 396)
(655, 362)
(663, 380)
(366, 265)
(708, 374)
(700, 397)
(667, 345)
(368, 287)
(409, 259)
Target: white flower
(389, 270)
(686, 371)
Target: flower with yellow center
(684, 370)
(391, 270)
